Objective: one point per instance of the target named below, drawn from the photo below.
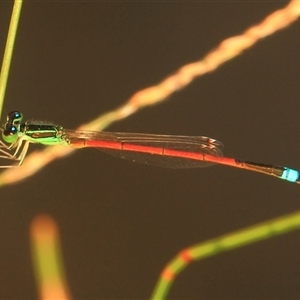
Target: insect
(173, 151)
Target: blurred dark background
(121, 222)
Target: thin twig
(227, 242)
(11, 37)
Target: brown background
(122, 222)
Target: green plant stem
(227, 242)
(14, 21)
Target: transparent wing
(148, 148)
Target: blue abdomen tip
(290, 175)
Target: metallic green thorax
(45, 134)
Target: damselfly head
(14, 118)
(10, 133)
(11, 127)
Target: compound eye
(14, 117)
(10, 134)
